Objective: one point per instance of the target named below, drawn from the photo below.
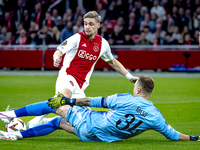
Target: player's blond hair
(147, 83)
(93, 14)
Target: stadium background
(167, 36)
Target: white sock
(10, 114)
(18, 134)
(45, 120)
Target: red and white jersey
(82, 55)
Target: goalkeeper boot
(8, 136)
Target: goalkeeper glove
(195, 138)
(60, 100)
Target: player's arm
(177, 136)
(61, 100)
(83, 101)
(184, 137)
(57, 57)
(170, 133)
(66, 46)
(115, 64)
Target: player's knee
(67, 93)
(62, 111)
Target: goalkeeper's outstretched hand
(198, 137)
(58, 101)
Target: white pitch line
(100, 73)
(196, 101)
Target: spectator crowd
(124, 22)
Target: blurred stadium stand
(30, 31)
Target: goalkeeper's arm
(82, 101)
(61, 100)
(184, 137)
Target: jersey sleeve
(101, 102)
(165, 129)
(69, 44)
(107, 55)
(111, 102)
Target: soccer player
(129, 115)
(82, 52)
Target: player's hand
(58, 101)
(57, 61)
(134, 79)
(198, 137)
(57, 58)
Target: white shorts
(65, 81)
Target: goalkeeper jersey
(128, 116)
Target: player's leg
(65, 84)
(81, 132)
(44, 129)
(77, 118)
(40, 130)
(37, 109)
(67, 126)
(75, 115)
(29, 110)
(38, 120)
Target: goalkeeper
(129, 115)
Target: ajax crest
(96, 48)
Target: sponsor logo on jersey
(84, 54)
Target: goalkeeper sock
(43, 129)
(36, 109)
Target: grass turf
(177, 98)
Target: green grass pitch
(177, 98)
